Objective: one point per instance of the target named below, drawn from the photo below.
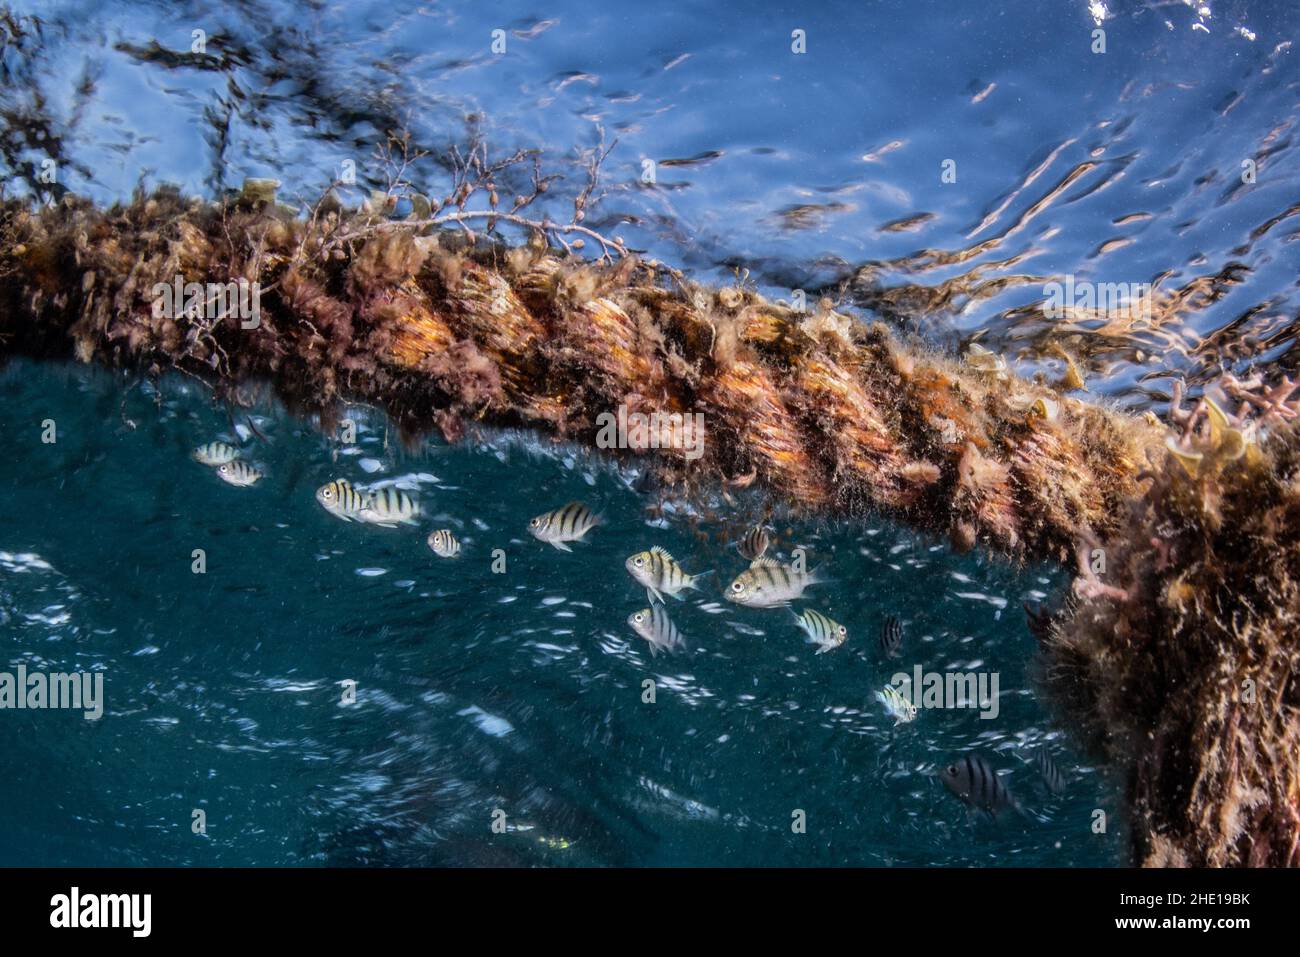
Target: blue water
(475, 691)
(521, 691)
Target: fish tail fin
(252, 427)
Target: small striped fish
(767, 584)
(899, 708)
(567, 524)
(389, 507)
(1047, 767)
(239, 473)
(973, 780)
(891, 637)
(826, 634)
(654, 626)
(444, 543)
(215, 453)
(341, 500)
(660, 574)
(753, 544)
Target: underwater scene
(545, 434)
(519, 689)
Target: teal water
(475, 691)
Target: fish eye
(532, 523)
(737, 586)
(952, 769)
(638, 617)
(638, 562)
(224, 468)
(842, 629)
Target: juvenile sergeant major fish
(767, 583)
(341, 500)
(1051, 773)
(753, 544)
(826, 634)
(891, 637)
(238, 472)
(444, 543)
(566, 524)
(215, 453)
(973, 780)
(899, 708)
(660, 574)
(389, 507)
(654, 626)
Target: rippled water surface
(820, 171)
(521, 691)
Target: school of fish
(765, 584)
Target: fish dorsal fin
(661, 552)
(764, 563)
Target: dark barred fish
(753, 544)
(215, 453)
(238, 473)
(767, 584)
(654, 626)
(341, 500)
(973, 780)
(444, 543)
(822, 631)
(1051, 773)
(567, 524)
(389, 507)
(660, 574)
(891, 637)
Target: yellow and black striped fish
(654, 625)
(822, 631)
(215, 453)
(567, 524)
(341, 500)
(660, 574)
(238, 472)
(899, 708)
(389, 506)
(767, 584)
(444, 543)
(753, 544)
